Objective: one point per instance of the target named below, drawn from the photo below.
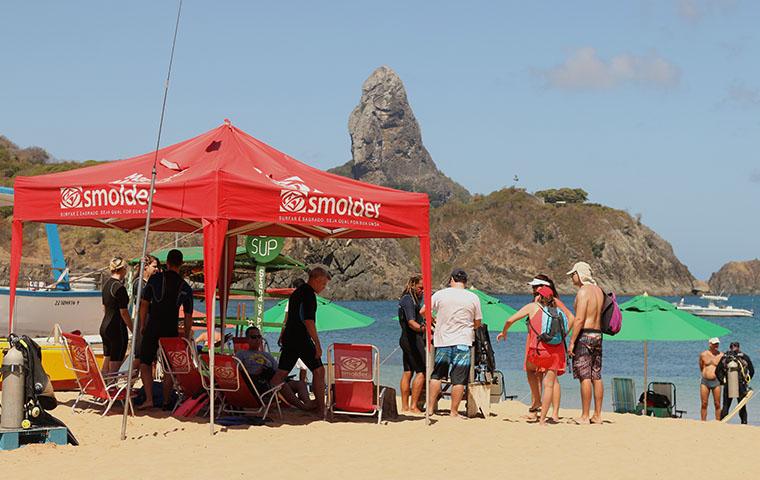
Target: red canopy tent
(225, 183)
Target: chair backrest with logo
(355, 377)
(85, 368)
(178, 360)
(232, 379)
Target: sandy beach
(625, 447)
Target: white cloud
(694, 10)
(689, 10)
(585, 70)
(742, 96)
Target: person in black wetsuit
(300, 338)
(113, 329)
(746, 372)
(412, 343)
(152, 266)
(159, 317)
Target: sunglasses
(254, 337)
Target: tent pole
(427, 283)
(151, 192)
(211, 350)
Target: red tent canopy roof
(222, 174)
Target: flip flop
(573, 421)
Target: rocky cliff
(386, 143)
(737, 278)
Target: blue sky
(651, 106)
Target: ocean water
(675, 362)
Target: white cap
(537, 282)
(713, 340)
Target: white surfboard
(738, 406)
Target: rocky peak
(386, 143)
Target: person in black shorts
(412, 343)
(113, 329)
(159, 317)
(300, 338)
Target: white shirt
(456, 310)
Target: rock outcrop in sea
(737, 278)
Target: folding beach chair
(353, 386)
(240, 343)
(94, 387)
(624, 396)
(667, 389)
(178, 358)
(237, 391)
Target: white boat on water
(713, 308)
(37, 310)
(74, 304)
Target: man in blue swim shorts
(457, 314)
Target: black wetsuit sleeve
(186, 297)
(122, 298)
(408, 308)
(309, 306)
(750, 367)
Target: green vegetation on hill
(567, 195)
(15, 161)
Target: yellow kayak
(53, 358)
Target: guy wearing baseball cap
(708, 361)
(457, 314)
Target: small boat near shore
(714, 308)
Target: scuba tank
(13, 389)
(732, 379)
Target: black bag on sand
(390, 409)
(655, 400)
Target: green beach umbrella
(651, 319)
(330, 316)
(495, 313)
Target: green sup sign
(264, 249)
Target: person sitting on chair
(261, 367)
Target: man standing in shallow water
(586, 344)
(708, 362)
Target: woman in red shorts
(542, 356)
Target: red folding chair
(239, 394)
(179, 359)
(353, 372)
(94, 387)
(240, 343)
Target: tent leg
(427, 283)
